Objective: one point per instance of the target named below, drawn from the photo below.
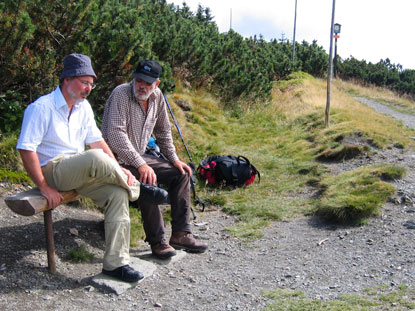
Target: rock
(89, 288)
(410, 224)
(118, 287)
(73, 231)
(184, 104)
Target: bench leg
(50, 245)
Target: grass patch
(215, 200)
(341, 153)
(249, 230)
(14, 177)
(353, 196)
(11, 166)
(9, 156)
(137, 230)
(380, 298)
(80, 255)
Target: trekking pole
(177, 126)
(191, 164)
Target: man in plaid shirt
(133, 112)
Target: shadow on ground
(23, 253)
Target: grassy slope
(282, 139)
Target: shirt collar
(59, 99)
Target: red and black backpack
(227, 170)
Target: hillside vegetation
(36, 35)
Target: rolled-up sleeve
(34, 127)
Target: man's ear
(158, 82)
(66, 80)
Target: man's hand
(131, 177)
(147, 175)
(52, 195)
(32, 166)
(182, 167)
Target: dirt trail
(306, 255)
(407, 120)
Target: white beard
(143, 97)
(73, 96)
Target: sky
(371, 30)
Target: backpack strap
(254, 169)
(243, 158)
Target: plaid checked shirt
(126, 127)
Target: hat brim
(144, 77)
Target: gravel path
(318, 259)
(407, 120)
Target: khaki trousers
(95, 175)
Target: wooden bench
(31, 202)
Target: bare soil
(305, 254)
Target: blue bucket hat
(75, 65)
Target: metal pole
(330, 72)
(295, 23)
(230, 20)
(335, 58)
(177, 127)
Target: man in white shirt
(56, 128)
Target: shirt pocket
(78, 133)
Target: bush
(36, 35)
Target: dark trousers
(178, 186)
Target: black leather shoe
(125, 274)
(153, 195)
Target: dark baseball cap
(75, 65)
(148, 70)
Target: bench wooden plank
(31, 202)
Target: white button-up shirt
(48, 130)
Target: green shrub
(11, 111)
(9, 156)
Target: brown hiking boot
(186, 241)
(163, 250)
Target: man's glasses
(86, 84)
